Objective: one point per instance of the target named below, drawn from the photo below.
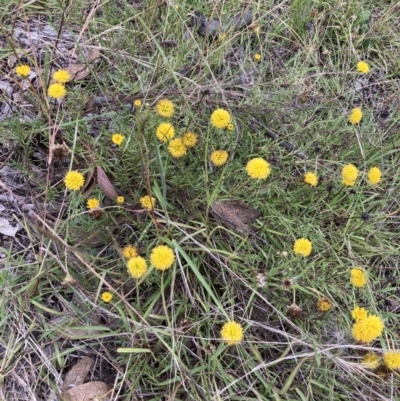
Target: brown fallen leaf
(105, 184)
(76, 376)
(81, 70)
(235, 214)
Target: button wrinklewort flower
(177, 148)
(219, 157)
(129, 252)
(148, 202)
(392, 359)
(324, 305)
(370, 360)
(137, 103)
(230, 127)
(165, 108)
(117, 139)
(349, 174)
(106, 296)
(220, 118)
(74, 180)
(56, 91)
(257, 57)
(357, 277)
(92, 203)
(302, 247)
(362, 67)
(258, 168)
(120, 200)
(189, 139)
(374, 176)
(359, 313)
(137, 267)
(355, 115)
(367, 329)
(165, 132)
(61, 76)
(162, 257)
(311, 179)
(232, 333)
(23, 70)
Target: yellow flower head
(371, 360)
(74, 180)
(230, 127)
(129, 252)
(302, 247)
(23, 70)
(92, 203)
(106, 296)
(359, 313)
(56, 91)
(117, 139)
(165, 132)
(257, 57)
(120, 200)
(165, 108)
(357, 277)
(61, 76)
(392, 359)
(349, 174)
(374, 175)
(137, 267)
(362, 67)
(258, 168)
(232, 333)
(162, 257)
(137, 103)
(324, 305)
(177, 148)
(355, 115)
(367, 329)
(189, 139)
(148, 202)
(219, 157)
(311, 179)
(220, 118)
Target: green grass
(159, 337)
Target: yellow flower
(61, 76)
(137, 103)
(189, 139)
(232, 333)
(374, 175)
(177, 148)
(92, 203)
(165, 108)
(258, 168)
(120, 200)
(392, 359)
(367, 329)
(148, 202)
(257, 57)
(117, 139)
(74, 180)
(355, 115)
(162, 257)
(359, 313)
(220, 118)
(362, 67)
(230, 127)
(129, 252)
(311, 179)
(23, 70)
(106, 296)
(219, 157)
(357, 277)
(137, 266)
(165, 132)
(349, 174)
(324, 305)
(371, 360)
(56, 91)
(303, 247)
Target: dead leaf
(7, 229)
(81, 70)
(88, 392)
(76, 376)
(235, 214)
(105, 184)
